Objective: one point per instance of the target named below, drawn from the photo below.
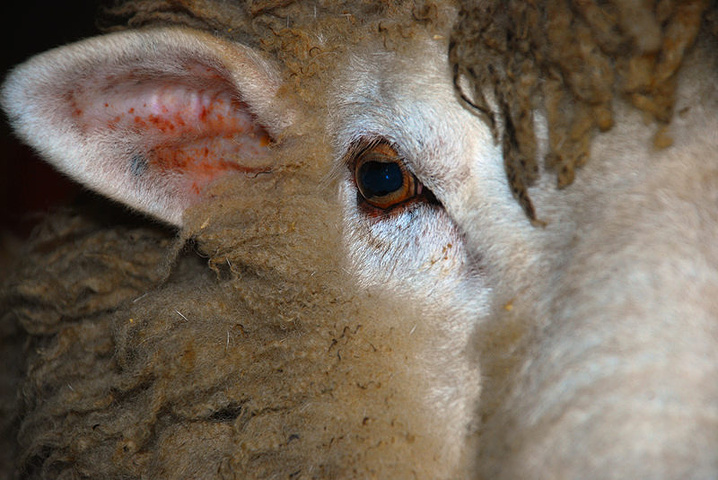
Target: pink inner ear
(186, 135)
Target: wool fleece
(241, 353)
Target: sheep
(359, 265)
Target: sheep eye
(382, 179)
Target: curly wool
(571, 58)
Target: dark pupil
(377, 179)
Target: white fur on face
(417, 250)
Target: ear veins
(182, 132)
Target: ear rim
(25, 87)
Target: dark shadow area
(28, 186)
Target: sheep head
(368, 298)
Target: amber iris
(382, 178)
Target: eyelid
(357, 150)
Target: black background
(27, 184)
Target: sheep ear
(150, 117)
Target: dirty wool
(570, 59)
(240, 354)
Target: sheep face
(579, 345)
